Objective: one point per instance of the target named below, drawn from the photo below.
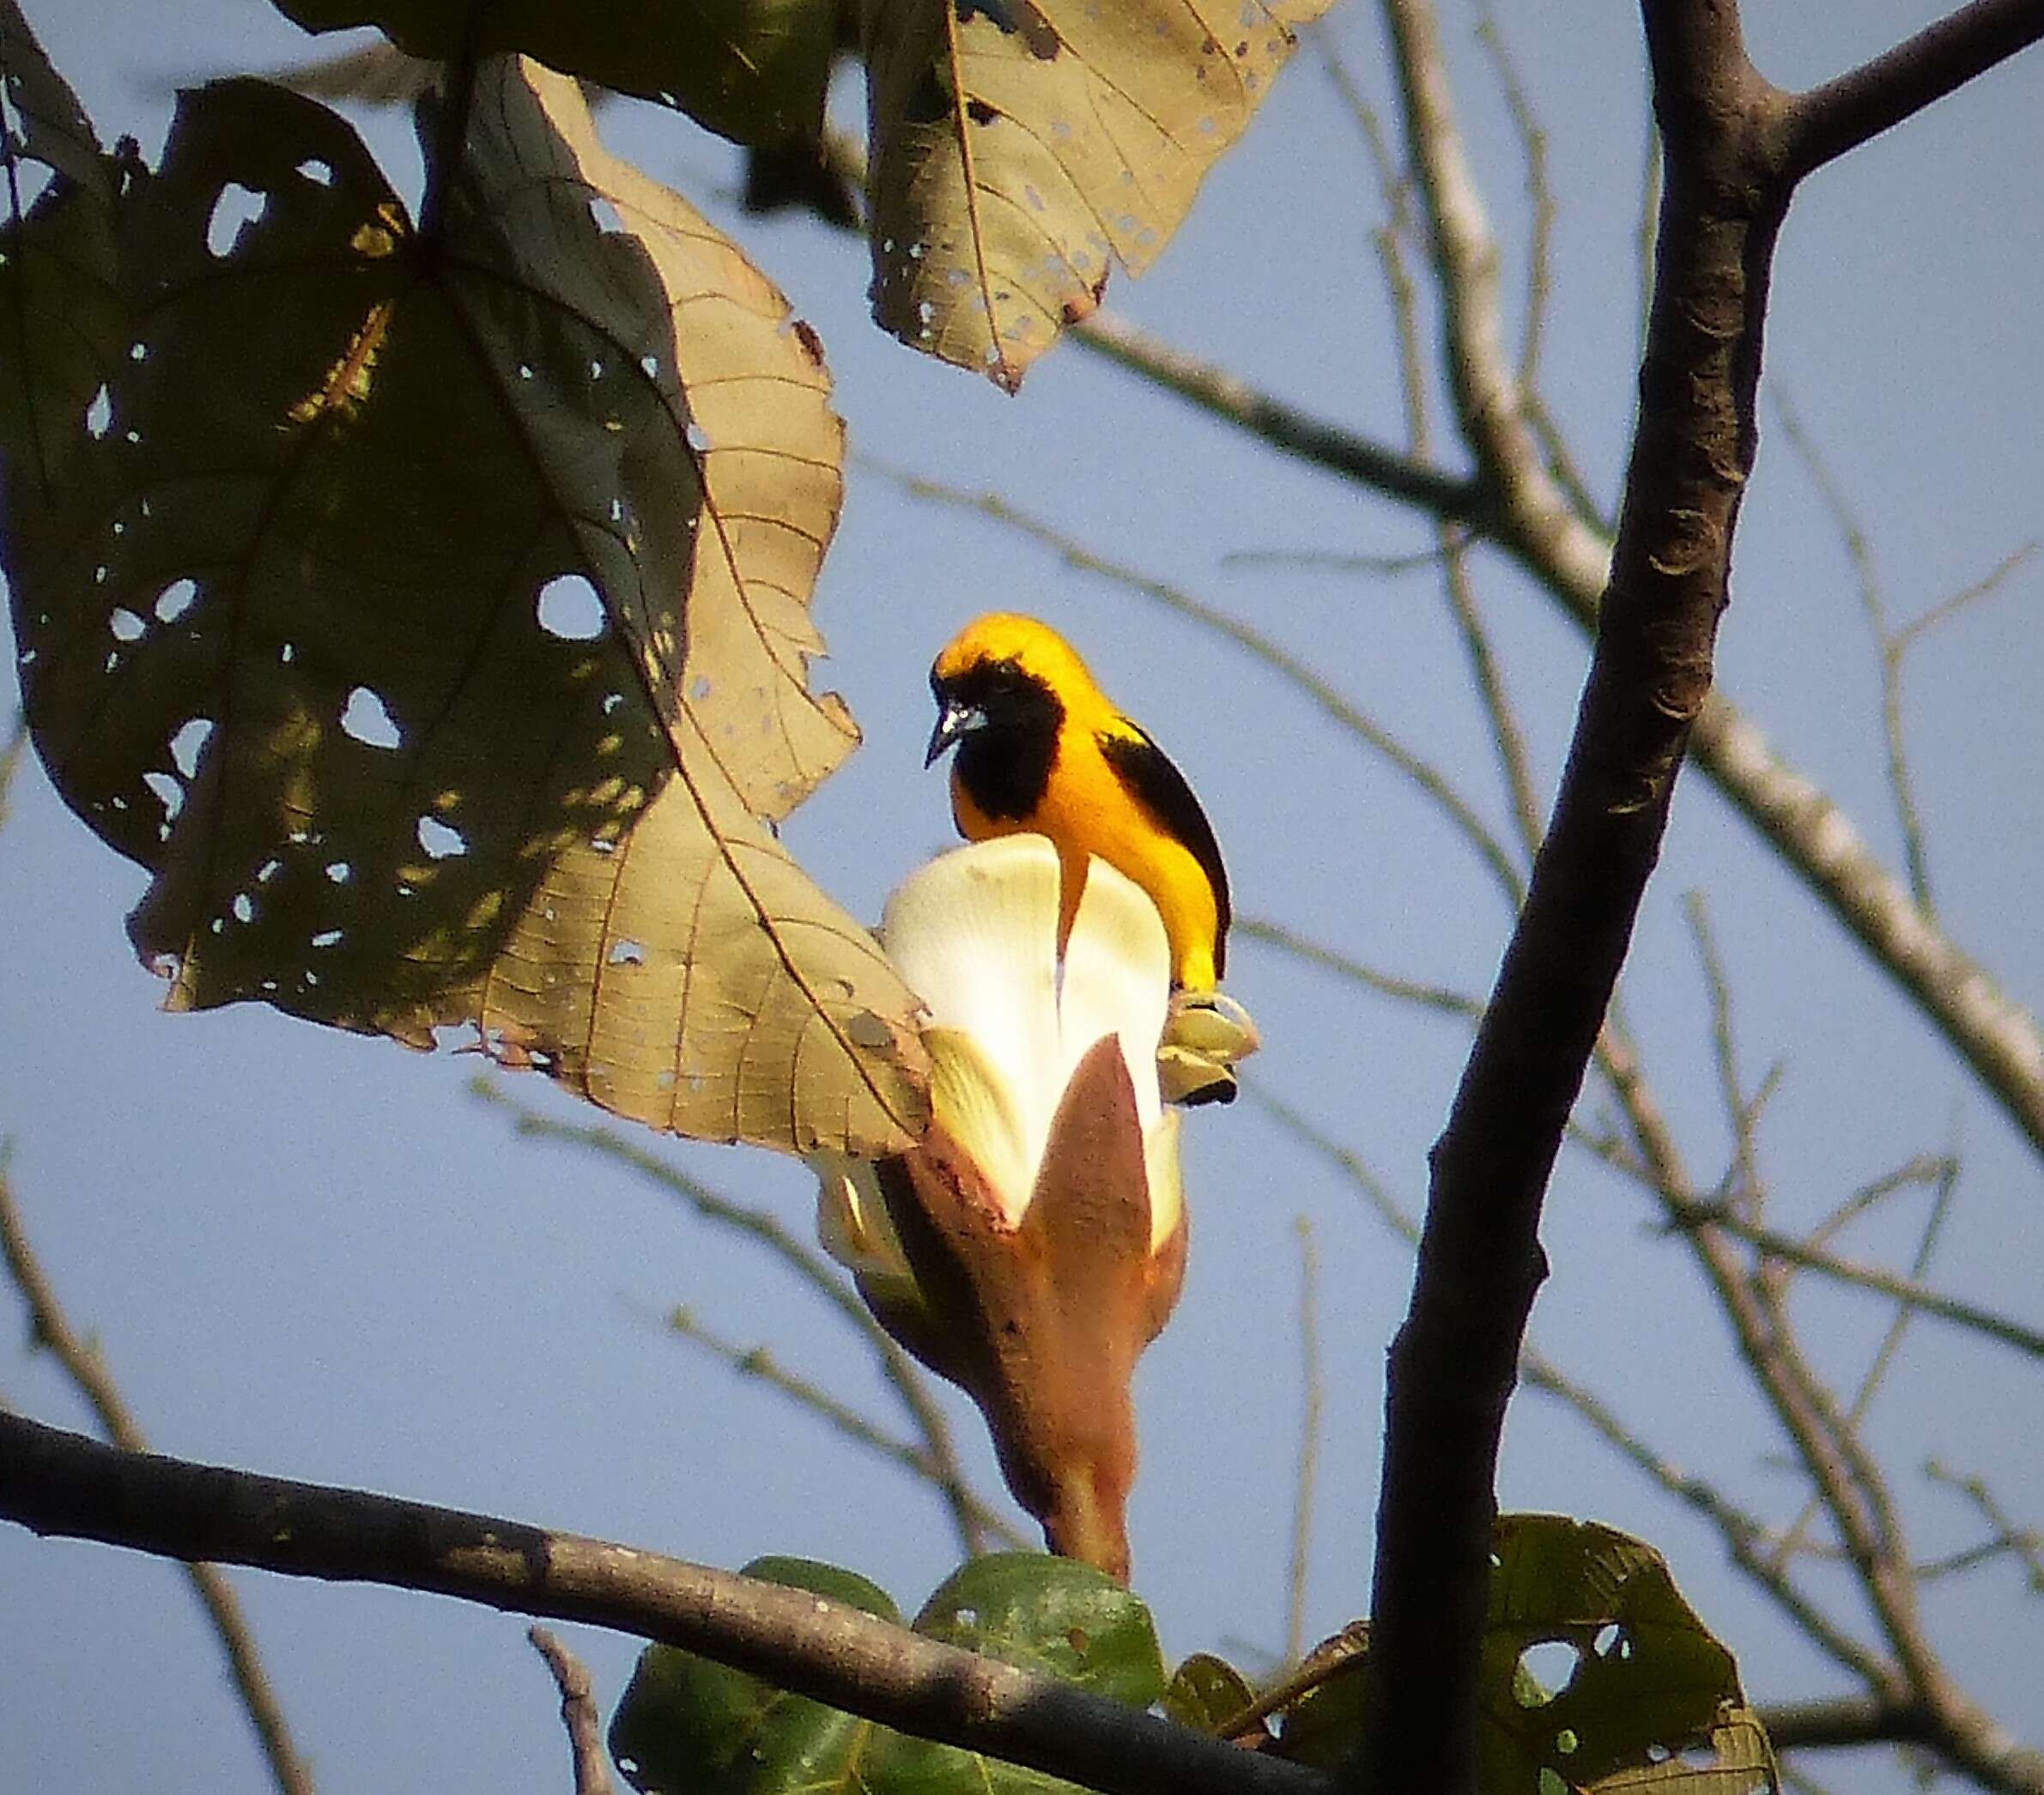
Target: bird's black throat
(1005, 765)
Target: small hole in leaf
(244, 907)
(568, 607)
(320, 173)
(1549, 1664)
(339, 872)
(440, 841)
(127, 626)
(626, 953)
(236, 209)
(605, 213)
(368, 719)
(168, 791)
(99, 415)
(1609, 1638)
(189, 742)
(175, 599)
(328, 938)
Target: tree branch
(64, 1484)
(1454, 1362)
(1826, 121)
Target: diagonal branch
(1826, 121)
(63, 1484)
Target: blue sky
(317, 1256)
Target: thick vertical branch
(1454, 1362)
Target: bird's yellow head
(1006, 676)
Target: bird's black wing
(1160, 789)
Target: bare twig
(85, 1365)
(2024, 1542)
(1871, 1379)
(1893, 644)
(63, 1484)
(1314, 1398)
(808, 1263)
(979, 1521)
(579, 1713)
(1405, 990)
(1921, 1298)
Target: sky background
(319, 1257)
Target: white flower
(1031, 1243)
(974, 933)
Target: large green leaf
(756, 70)
(429, 613)
(687, 1726)
(1016, 143)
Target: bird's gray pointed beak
(954, 720)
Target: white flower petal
(978, 1110)
(975, 935)
(1116, 982)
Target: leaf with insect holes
(755, 70)
(1017, 144)
(429, 615)
(1596, 1678)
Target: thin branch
(808, 1263)
(1775, 1244)
(977, 1521)
(1313, 1393)
(1826, 121)
(1288, 428)
(1429, 777)
(1890, 644)
(1332, 561)
(86, 1368)
(1506, 735)
(1405, 990)
(579, 1713)
(1876, 1369)
(2007, 1536)
(65, 1485)
(1920, 1170)
(1994, 1760)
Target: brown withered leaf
(1014, 143)
(429, 615)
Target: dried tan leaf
(430, 616)
(1015, 142)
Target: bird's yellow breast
(1087, 809)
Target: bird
(1042, 748)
